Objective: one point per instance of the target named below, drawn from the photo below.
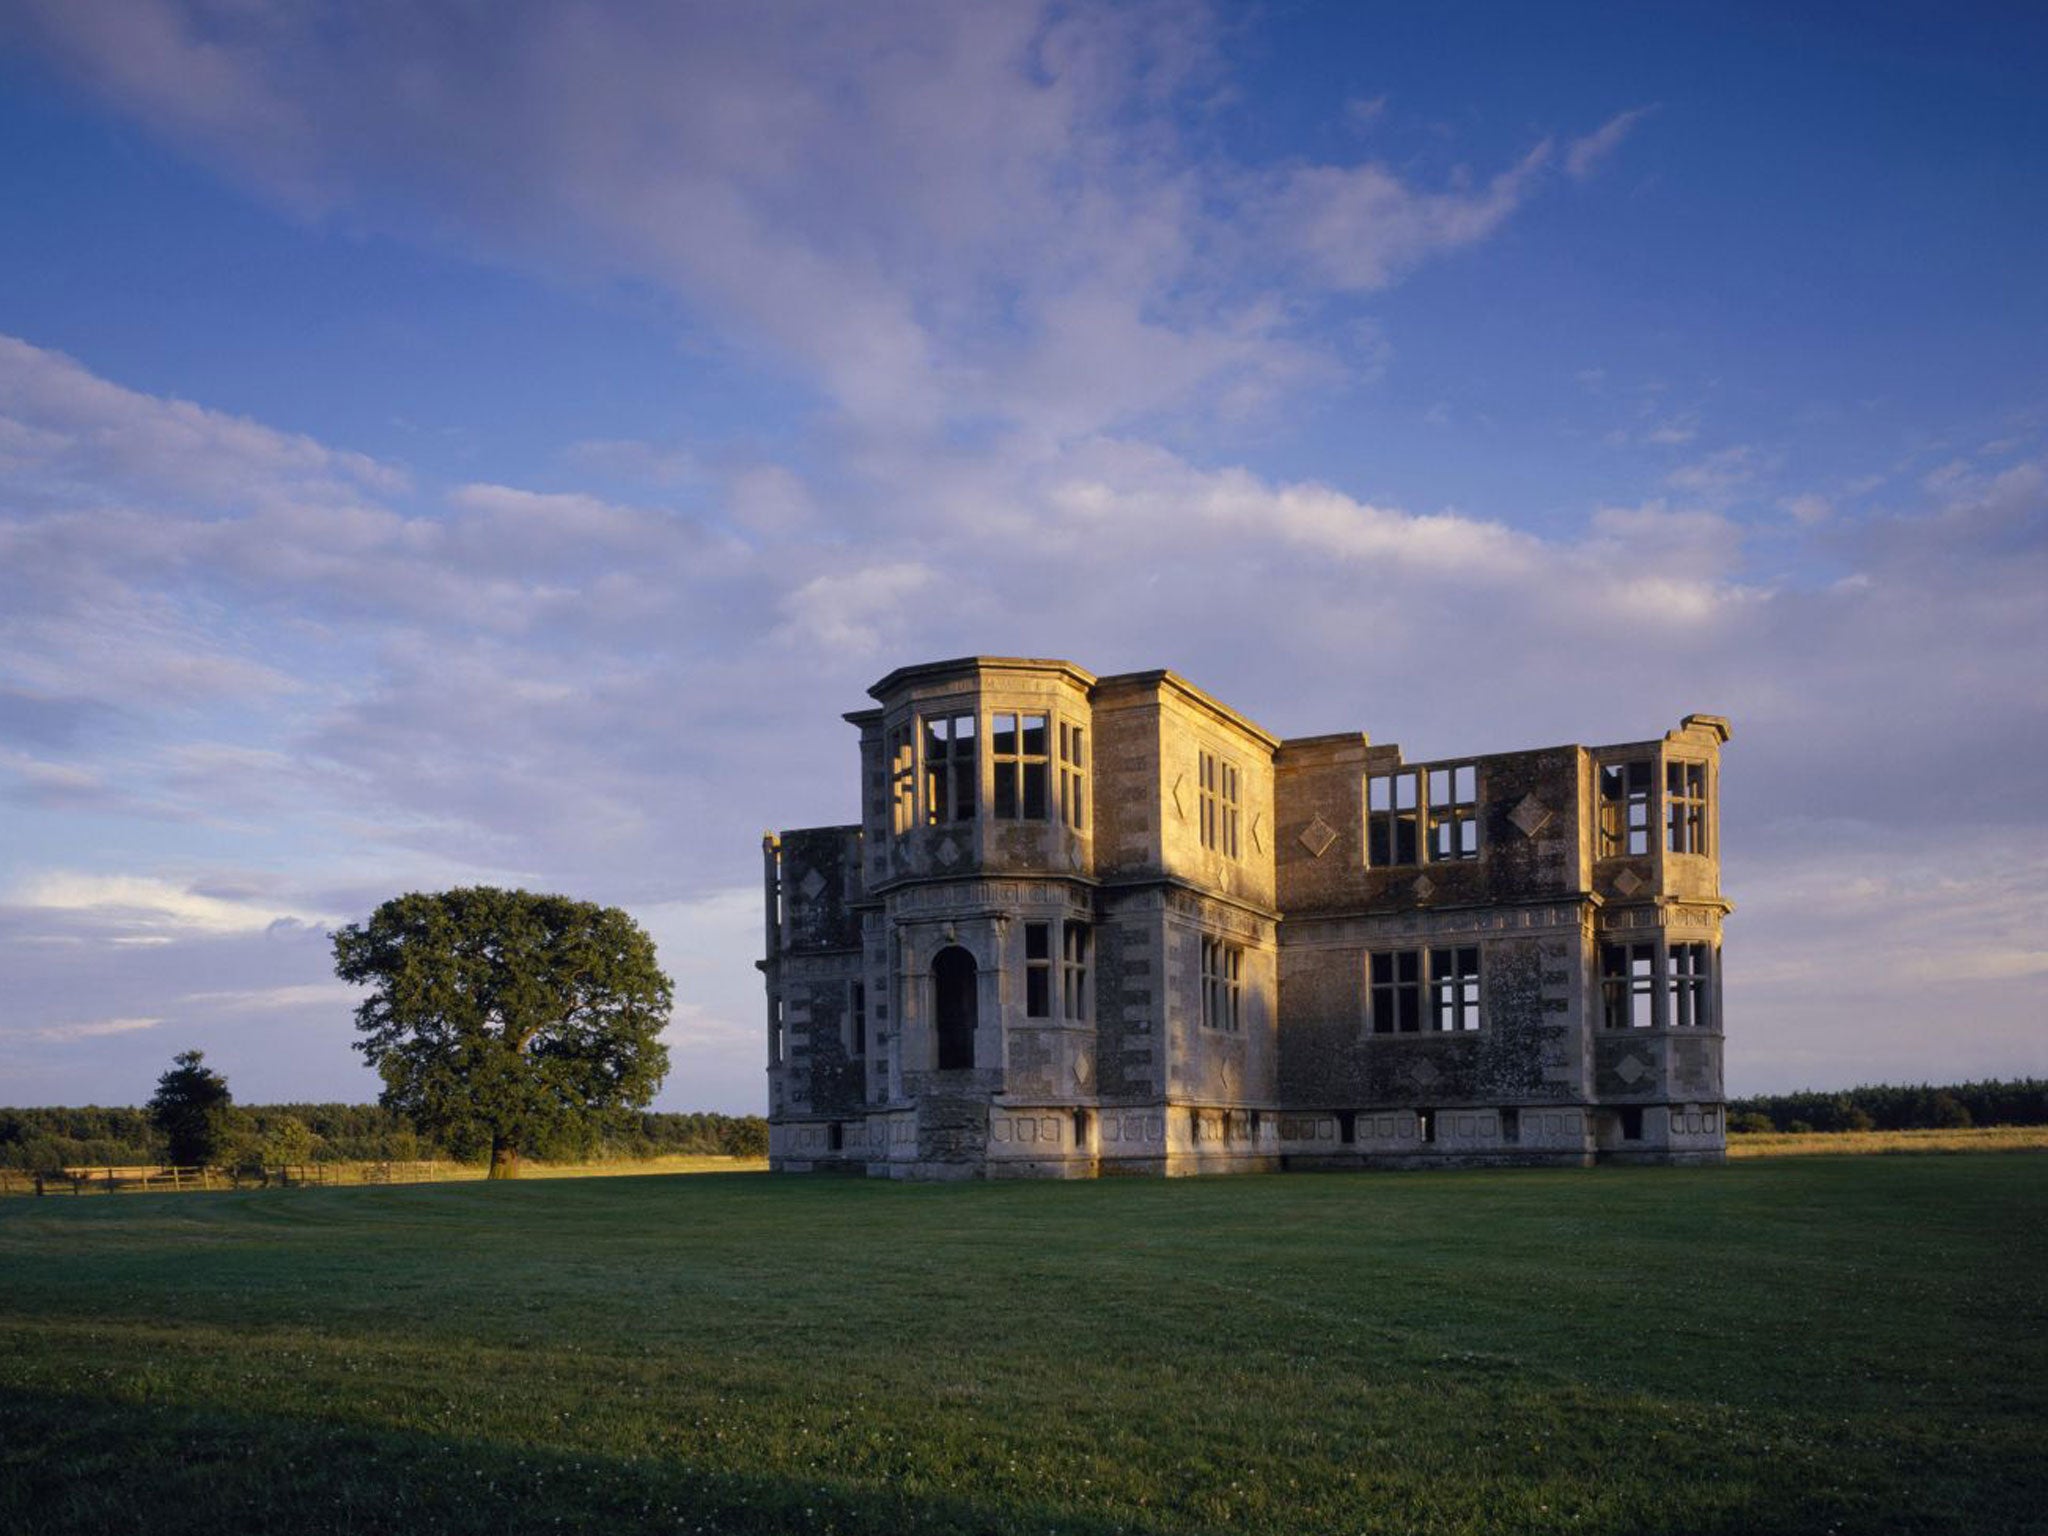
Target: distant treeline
(1883, 1107)
(347, 1133)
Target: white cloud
(150, 908)
(92, 1029)
(1584, 157)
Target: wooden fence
(156, 1180)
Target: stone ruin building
(1094, 925)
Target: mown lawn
(1811, 1344)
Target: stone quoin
(1104, 925)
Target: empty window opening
(857, 1012)
(1689, 965)
(1222, 984)
(955, 1007)
(1454, 988)
(1347, 1126)
(1018, 749)
(1628, 985)
(1393, 816)
(835, 1136)
(1685, 802)
(777, 1039)
(1425, 1125)
(1038, 970)
(1454, 812)
(1511, 1126)
(902, 781)
(950, 770)
(1397, 992)
(1073, 776)
(1632, 1123)
(1625, 808)
(1074, 971)
(1219, 803)
(1080, 1130)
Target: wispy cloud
(1584, 157)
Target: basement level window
(1511, 1126)
(1625, 808)
(1632, 1123)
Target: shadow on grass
(71, 1466)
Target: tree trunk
(504, 1159)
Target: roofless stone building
(1092, 925)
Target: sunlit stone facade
(1094, 925)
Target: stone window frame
(1222, 985)
(1626, 802)
(1426, 990)
(1659, 984)
(1394, 991)
(903, 776)
(1076, 943)
(1020, 779)
(1423, 813)
(1219, 785)
(1455, 995)
(1038, 970)
(1072, 746)
(1689, 985)
(857, 1019)
(951, 777)
(1686, 823)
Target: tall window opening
(1222, 984)
(1628, 985)
(1218, 785)
(1074, 971)
(1625, 808)
(902, 781)
(1038, 970)
(1685, 807)
(1393, 818)
(857, 1016)
(1397, 992)
(1690, 998)
(1073, 776)
(1454, 988)
(1018, 751)
(950, 770)
(955, 1007)
(777, 1039)
(1454, 812)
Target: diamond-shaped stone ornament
(1424, 887)
(1317, 836)
(1631, 1070)
(1628, 882)
(811, 885)
(1530, 816)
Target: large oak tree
(506, 1019)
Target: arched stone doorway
(954, 1007)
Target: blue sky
(447, 443)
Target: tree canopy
(505, 1019)
(193, 1110)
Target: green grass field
(1809, 1344)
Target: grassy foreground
(1809, 1344)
